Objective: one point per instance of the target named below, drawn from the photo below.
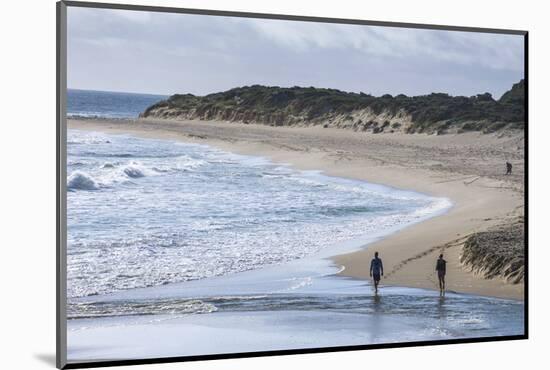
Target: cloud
(166, 53)
(490, 50)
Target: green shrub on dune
(433, 113)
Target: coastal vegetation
(436, 113)
(497, 252)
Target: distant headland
(436, 113)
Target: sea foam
(166, 212)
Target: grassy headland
(307, 106)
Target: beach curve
(480, 201)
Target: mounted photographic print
(236, 184)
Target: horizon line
(290, 87)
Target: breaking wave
(133, 171)
(81, 181)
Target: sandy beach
(466, 168)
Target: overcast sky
(145, 52)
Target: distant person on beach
(508, 168)
(441, 268)
(376, 270)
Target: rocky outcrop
(276, 106)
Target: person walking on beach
(376, 270)
(508, 168)
(441, 268)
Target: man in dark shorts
(508, 168)
(441, 268)
(376, 270)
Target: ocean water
(89, 103)
(145, 212)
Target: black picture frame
(61, 176)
